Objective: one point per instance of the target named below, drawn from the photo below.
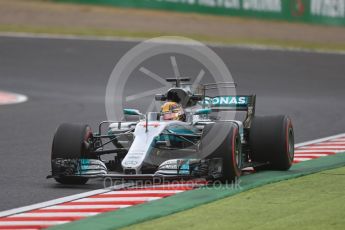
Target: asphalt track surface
(65, 81)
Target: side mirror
(131, 112)
(203, 111)
(160, 97)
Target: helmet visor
(170, 116)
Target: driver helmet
(172, 111)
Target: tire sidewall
(230, 145)
(270, 139)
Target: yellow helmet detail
(172, 111)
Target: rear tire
(70, 142)
(229, 150)
(271, 139)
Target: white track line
(57, 214)
(25, 229)
(189, 185)
(323, 147)
(320, 140)
(31, 222)
(109, 199)
(317, 151)
(144, 191)
(302, 159)
(334, 140)
(338, 140)
(129, 39)
(60, 200)
(310, 155)
(96, 206)
(330, 143)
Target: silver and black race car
(202, 145)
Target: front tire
(70, 143)
(229, 149)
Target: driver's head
(172, 111)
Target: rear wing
(230, 103)
(245, 103)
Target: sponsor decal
(328, 8)
(133, 154)
(227, 101)
(167, 166)
(262, 5)
(233, 4)
(132, 160)
(250, 5)
(297, 8)
(130, 163)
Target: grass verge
(111, 33)
(311, 202)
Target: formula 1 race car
(200, 145)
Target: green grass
(310, 202)
(144, 35)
